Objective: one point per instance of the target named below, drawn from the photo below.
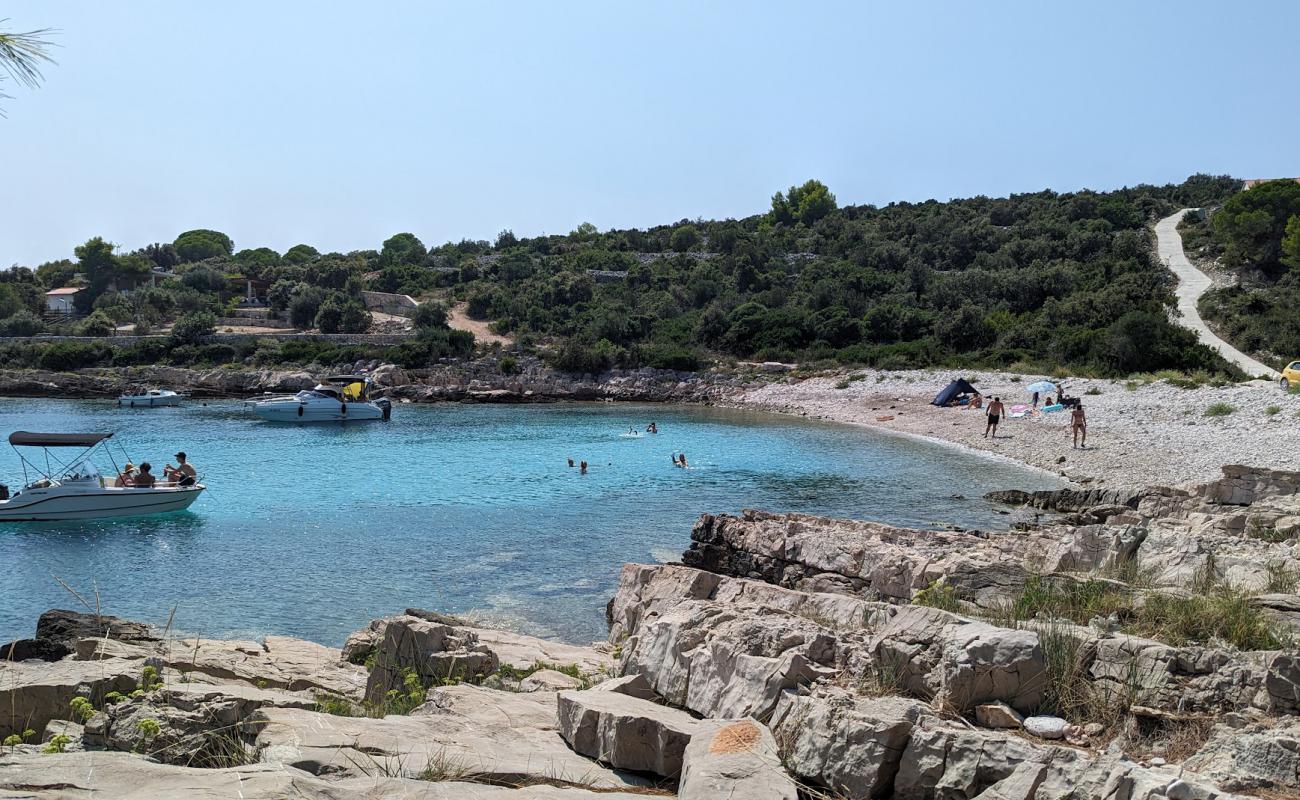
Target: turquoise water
(312, 531)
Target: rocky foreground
(1127, 643)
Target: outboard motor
(386, 406)
(4, 492)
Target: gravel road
(1192, 283)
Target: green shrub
(508, 365)
(64, 356)
(1220, 410)
(97, 324)
(1271, 410)
(21, 323)
(193, 328)
(938, 595)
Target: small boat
(151, 398)
(338, 398)
(75, 489)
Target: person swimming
(582, 468)
(652, 428)
(681, 459)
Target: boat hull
(318, 412)
(149, 402)
(43, 505)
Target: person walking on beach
(1079, 427)
(995, 416)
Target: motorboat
(151, 398)
(338, 398)
(74, 489)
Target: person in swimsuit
(995, 416)
(1079, 426)
(145, 479)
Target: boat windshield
(81, 471)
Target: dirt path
(483, 334)
(1192, 283)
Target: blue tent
(957, 387)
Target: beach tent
(959, 386)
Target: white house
(59, 301)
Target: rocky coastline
(1129, 643)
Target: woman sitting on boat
(126, 477)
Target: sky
(338, 124)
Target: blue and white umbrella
(1041, 387)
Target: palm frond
(21, 54)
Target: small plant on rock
(938, 595)
(81, 708)
(58, 743)
(1272, 410)
(149, 680)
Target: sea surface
(312, 531)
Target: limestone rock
(734, 758)
(34, 692)
(631, 685)
(463, 730)
(1254, 756)
(548, 680)
(625, 732)
(721, 660)
(432, 651)
(125, 776)
(1046, 727)
(998, 715)
(852, 745)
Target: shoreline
(1145, 430)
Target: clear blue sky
(338, 124)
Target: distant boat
(151, 398)
(77, 491)
(339, 398)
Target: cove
(311, 531)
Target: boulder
(66, 627)
(728, 661)
(945, 761)
(734, 758)
(625, 732)
(960, 662)
(34, 692)
(849, 744)
(1248, 757)
(631, 685)
(431, 651)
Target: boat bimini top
(78, 468)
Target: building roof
(64, 290)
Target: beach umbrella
(1042, 387)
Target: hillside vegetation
(1043, 280)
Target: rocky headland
(1125, 642)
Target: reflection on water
(313, 530)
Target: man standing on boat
(184, 475)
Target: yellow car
(1290, 376)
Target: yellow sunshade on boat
(354, 391)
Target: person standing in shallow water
(995, 416)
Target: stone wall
(379, 339)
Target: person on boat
(146, 479)
(126, 477)
(184, 475)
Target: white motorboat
(339, 398)
(151, 398)
(75, 490)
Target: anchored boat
(339, 398)
(151, 398)
(74, 489)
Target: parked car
(1290, 376)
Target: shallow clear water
(312, 531)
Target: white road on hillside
(1192, 283)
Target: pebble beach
(1140, 431)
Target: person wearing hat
(126, 477)
(184, 475)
